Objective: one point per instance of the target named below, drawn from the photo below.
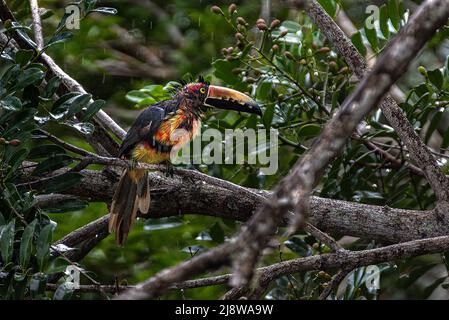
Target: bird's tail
(132, 194)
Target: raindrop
(62, 248)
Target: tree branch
(192, 192)
(113, 289)
(266, 275)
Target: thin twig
(67, 145)
(323, 237)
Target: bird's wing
(143, 127)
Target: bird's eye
(202, 90)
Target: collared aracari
(152, 138)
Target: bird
(151, 139)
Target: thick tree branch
(192, 192)
(292, 193)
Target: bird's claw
(169, 170)
(132, 164)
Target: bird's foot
(169, 170)
(132, 164)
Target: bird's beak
(229, 99)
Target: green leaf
(291, 26)
(62, 182)
(76, 104)
(357, 41)
(28, 77)
(84, 127)
(436, 78)
(52, 86)
(299, 246)
(11, 73)
(7, 241)
(61, 106)
(24, 56)
(136, 96)
(17, 158)
(371, 35)
(393, 12)
(30, 96)
(268, 115)
(92, 109)
(11, 103)
(383, 21)
(26, 244)
(57, 265)
(43, 246)
(436, 119)
(309, 130)
(17, 26)
(89, 5)
(251, 122)
(46, 14)
(445, 142)
(223, 70)
(52, 163)
(217, 233)
(263, 90)
(59, 38)
(329, 5)
(22, 34)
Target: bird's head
(204, 96)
